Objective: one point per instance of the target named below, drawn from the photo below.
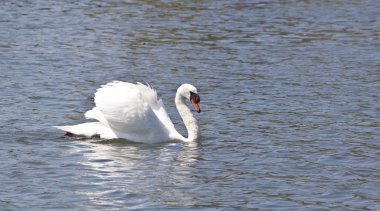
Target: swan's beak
(195, 99)
(196, 105)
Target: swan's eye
(195, 97)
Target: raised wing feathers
(131, 109)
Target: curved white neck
(187, 117)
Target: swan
(134, 112)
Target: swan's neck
(187, 117)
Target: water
(289, 90)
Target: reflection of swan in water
(162, 174)
(133, 112)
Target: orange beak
(196, 105)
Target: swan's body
(133, 112)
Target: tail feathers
(67, 129)
(89, 129)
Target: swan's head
(189, 92)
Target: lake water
(290, 104)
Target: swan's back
(132, 111)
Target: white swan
(133, 112)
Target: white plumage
(133, 112)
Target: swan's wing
(95, 113)
(132, 109)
